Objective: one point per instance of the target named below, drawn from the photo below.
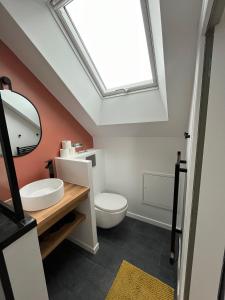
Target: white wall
(209, 240)
(139, 107)
(125, 161)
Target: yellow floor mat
(131, 283)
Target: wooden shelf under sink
(74, 195)
(46, 218)
(51, 240)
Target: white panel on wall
(79, 171)
(158, 190)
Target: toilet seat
(110, 202)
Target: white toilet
(110, 209)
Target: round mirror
(23, 122)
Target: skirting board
(85, 246)
(149, 220)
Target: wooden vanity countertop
(73, 196)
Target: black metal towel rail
(178, 169)
(25, 149)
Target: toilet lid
(110, 202)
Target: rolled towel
(66, 144)
(64, 153)
(72, 151)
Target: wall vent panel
(158, 190)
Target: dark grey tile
(61, 294)
(66, 272)
(168, 276)
(102, 277)
(108, 257)
(145, 265)
(165, 262)
(90, 291)
(151, 231)
(73, 273)
(119, 235)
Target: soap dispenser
(50, 168)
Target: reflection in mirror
(5, 193)
(23, 123)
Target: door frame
(215, 17)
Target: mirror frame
(17, 214)
(6, 82)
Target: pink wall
(57, 123)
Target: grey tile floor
(74, 274)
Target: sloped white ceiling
(29, 29)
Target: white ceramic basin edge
(42, 194)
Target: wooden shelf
(52, 240)
(46, 218)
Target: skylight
(110, 36)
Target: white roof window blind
(113, 41)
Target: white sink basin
(42, 194)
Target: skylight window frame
(75, 40)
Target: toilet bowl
(110, 209)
